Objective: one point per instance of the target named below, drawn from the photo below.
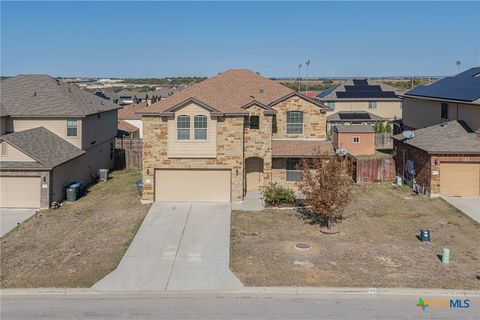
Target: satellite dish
(407, 134)
(341, 151)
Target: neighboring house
(443, 159)
(352, 118)
(450, 98)
(150, 97)
(108, 95)
(356, 139)
(53, 133)
(226, 136)
(363, 95)
(127, 130)
(125, 97)
(129, 114)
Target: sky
(165, 39)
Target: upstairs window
(444, 111)
(292, 172)
(372, 105)
(200, 125)
(72, 127)
(294, 122)
(183, 127)
(331, 104)
(254, 122)
(356, 139)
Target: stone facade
(258, 142)
(236, 142)
(426, 164)
(314, 120)
(229, 153)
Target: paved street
(345, 307)
(10, 217)
(179, 246)
(468, 205)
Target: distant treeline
(158, 81)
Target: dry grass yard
(77, 244)
(377, 245)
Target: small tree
(376, 127)
(327, 185)
(388, 128)
(381, 127)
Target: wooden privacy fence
(383, 141)
(128, 153)
(373, 170)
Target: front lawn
(77, 244)
(377, 245)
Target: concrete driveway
(468, 205)
(179, 246)
(10, 217)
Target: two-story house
(441, 156)
(226, 136)
(362, 95)
(52, 134)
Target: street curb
(248, 292)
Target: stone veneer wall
(314, 120)
(258, 142)
(279, 174)
(229, 153)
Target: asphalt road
(343, 307)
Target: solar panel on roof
(361, 82)
(363, 88)
(367, 94)
(354, 116)
(326, 91)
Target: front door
(254, 172)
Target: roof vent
(34, 93)
(253, 97)
(69, 89)
(444, 124)
(261, 91)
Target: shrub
(275, 194)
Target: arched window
(183, 127)
(200, 125)
(295, 122)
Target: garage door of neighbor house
(460, 179)
(20, 192)
(201, 185)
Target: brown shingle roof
(300, 148)
(128, 112)
(453, 137)
(227, 93)
(127, 127)
(354, 128)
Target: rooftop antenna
(306, 85)
(458, 63)
(299, 67)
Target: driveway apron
(179, 246)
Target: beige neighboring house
(228, 136)
(52, 134)
(363, 95)
(450, 98)
(129, 115)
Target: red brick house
(440, 160)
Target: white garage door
(460, 179)
(192, 185)
(20, 192)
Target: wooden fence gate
(128, 153)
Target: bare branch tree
(327, 185)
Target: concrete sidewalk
(179, 246)
(468, 205)
(10, 217)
